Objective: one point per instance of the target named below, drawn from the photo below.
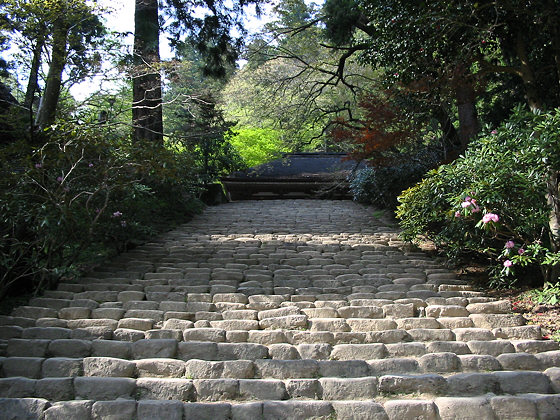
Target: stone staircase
(275, 310)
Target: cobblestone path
(274, 310)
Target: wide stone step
(231, 361)
(527, 406)
(225, 388)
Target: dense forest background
(452, 104)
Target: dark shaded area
(295, 175)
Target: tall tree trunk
(147, 117)
(33, 83)
(451, 140)
(527, 74)
(465, 95)
(47, 108)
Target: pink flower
(38, 165)
(467, 198)
(59, 178)
(90, 165)
(507, 263)
(466, 204)
(475, 209)
(510, 244)
(494, 132)
(490, 217)
(521, 251)
(117, 214)
(457, 213)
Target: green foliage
(83, 193)
(257, 145)
(492, 201)
(549, 295)
(381, 185)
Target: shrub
(505, 173)
(84, 193)
(381, 185)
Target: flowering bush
(84, 193)
(492, 201)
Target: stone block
(58, 367)
(496, 307)
(17, 387)
(236, 324)
(470, 334)
(474, 408)
(479, 363)
(262, 389)
(95, 388)
(343, 368)
(513, 408)
(240, 369)
(393, 366)
(363, 410)
(410, 384)
(70, 348)
(216, 389)
(456, 347)
(519, 361)
(286, 369)
(18, 347)
(69, 410)
(415, 323)
(177, 324)
(525, 332)
(491, 321)
(111, 348)
(28, 367)
(295, 409)
(439, 362)
(283, 351)
(358, 351)
(437, 311)
(204, 411)
(519, 382)
(241, 351)
(549, 358)
(125, 334)
(492, 348)
(366, 325)
(249, 314)
(554, 377)
(23, 408)
(453, 323)
(197, 350)
(387, 337)
(467, 384)
(406, 349)
(55, 389)
(303, 388)
(431, 334)
(141, 324)
(159, 410)
(165, 389)
(411, 409)
(348, 388)
(108, 367)
(246, 411)
(314, 351)
(360, 312)
(289, 322)
(114, 410)
(158, 348)
(267, 337)
(160, 368)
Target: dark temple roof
(294, 175)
